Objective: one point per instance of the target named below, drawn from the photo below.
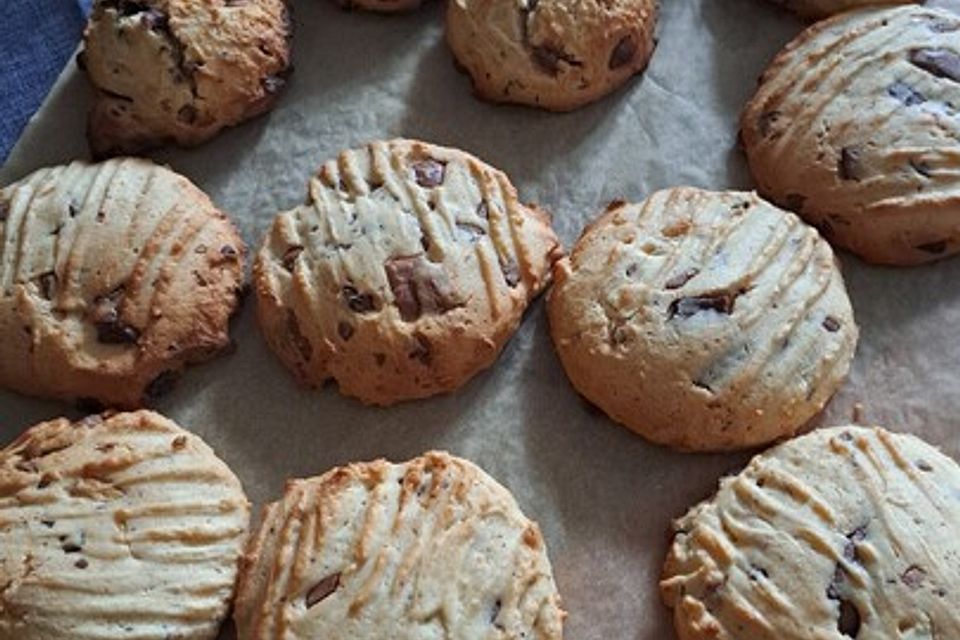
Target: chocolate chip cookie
(117, 526)
(817, 9)
(114, 277)
(404, 274)
(179, 71)
(703, 320)
(430, 548)
(554, 54)
(845, 532)
(855, 126)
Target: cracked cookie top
(178, 71)
(856, 127)
(429, 548)
(555, 54)
(116, 526)
(113, 277)
(703, 320)
(404, 274)
(846, 532)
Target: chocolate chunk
(470, 232)
(228, 252)
(923, 465)
(920, 167)
(106, 318)
(848, 622)
(719, 301)
(495, 613)
(323, 589)
(483, 211)
(345, 330)
(831, 324)
(429, 173)
(756, 573)
(71, 547)
(179, 443)
(623, 53)
(848, 166)
(300, 341)
(161, 385)
(905, 94)
(81, 563)
(290, 257)
(356, 301)
(935, 248)
(548, 57)
(48, 523)
(913, 577)
(421, 349)
(48, 285)
(187, 114)
(511, 272)
(850, 548)
(681, 278)
(420, 287)
(942, 63)
(767, 121)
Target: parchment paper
(603, 496)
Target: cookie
(179, 71)
(703, 320)
(817, 9)
(855, 127)
(430, 548)
(117, 526)
(404, 274)
(845, 532)
(554, 54)
(114, 277)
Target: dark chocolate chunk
(299, 341)
(913, 577)
(71, 547)
(719, 301)
(905, 94)
(548, 57)
(681, 278)
(228, 252)
(48, 285)
(356, 301)
(495, 613)
(345, 330)
(106, 318)
(935, 248)
(923, 465)
(187, 114)
(831, 324)
(323, 589)
(848, 166)
(920, 167)
(470, 232)
(82, 563)
(848, 622)
(623, 53)
(290, 257)
(420, 287)
(942, 63)
(421, 349)
(511, 272)
(429, 173)
(767, 121)
(48, 523)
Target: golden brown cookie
(855, 126)
(404, 274)
(842, 533)
(430, 548)
(114, 277)
(554, 54)
(703, 320)
(117, 526)
(178, 71)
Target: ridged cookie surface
(703, 320)
(855, 126)
(114, 276)
(555, 54)
(816, 9)
(178, 71)
(846, 532)
(404, 274)
(116, 526)
(430, 548)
